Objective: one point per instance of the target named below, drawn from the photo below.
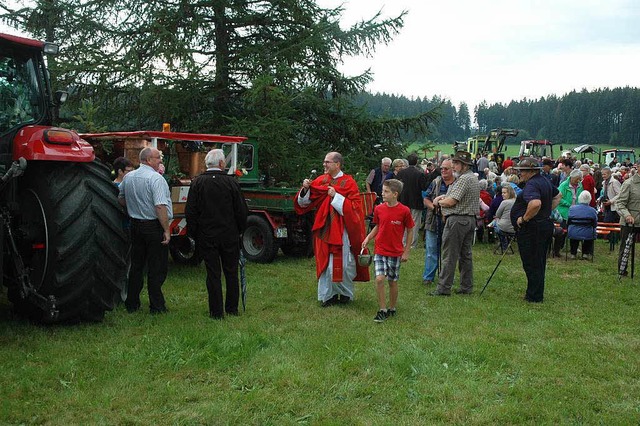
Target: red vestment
(329, 225)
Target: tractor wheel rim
(40, 217)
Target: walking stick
(499, 262)
(438, 239)
(242, 261)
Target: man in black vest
(415, 182)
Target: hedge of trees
(267, 69)
(602, 116)
(607, 116)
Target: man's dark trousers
(533, 242)
(226, 254)
(147, 249)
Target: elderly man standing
(145, 194)
(483, 163)
(376, 177)
(433, 222)
(338, 230)
(530, 216)
(628, 207)
(216, 215)
(459, 207)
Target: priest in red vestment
(338, 230)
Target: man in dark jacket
(216, 214)
(415, 182)
(530, 217)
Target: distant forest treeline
(454, 123)
(602, 116)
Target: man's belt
(134, 220)
(462, 215)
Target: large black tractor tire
(258, 241)
(183, 250)
(72, 239)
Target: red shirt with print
(392, 222)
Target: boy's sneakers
(380, 316)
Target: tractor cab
(619, 156)
(536, 148)
(24, 89)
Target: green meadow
(490, 359)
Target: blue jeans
(431, 258)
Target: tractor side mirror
(60, 97)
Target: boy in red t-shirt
(392, 220)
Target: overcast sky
(499, 50)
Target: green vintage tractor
(493, 144)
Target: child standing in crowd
(392, 219)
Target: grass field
(459, 360)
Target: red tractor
(63, 254)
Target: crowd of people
(538, 202)
(449, 203)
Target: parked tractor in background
(619, 155)
(536, 148)
(63, 247)
(493, 143)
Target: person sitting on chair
(583, 220)
(502, 222)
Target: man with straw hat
(530, 216)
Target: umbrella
(624, 260)
(243, 277)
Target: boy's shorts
(388, 266)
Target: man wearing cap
(547, 166)
(530, 216)
(459, 207)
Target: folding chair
(508, 236)
(581, 222)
